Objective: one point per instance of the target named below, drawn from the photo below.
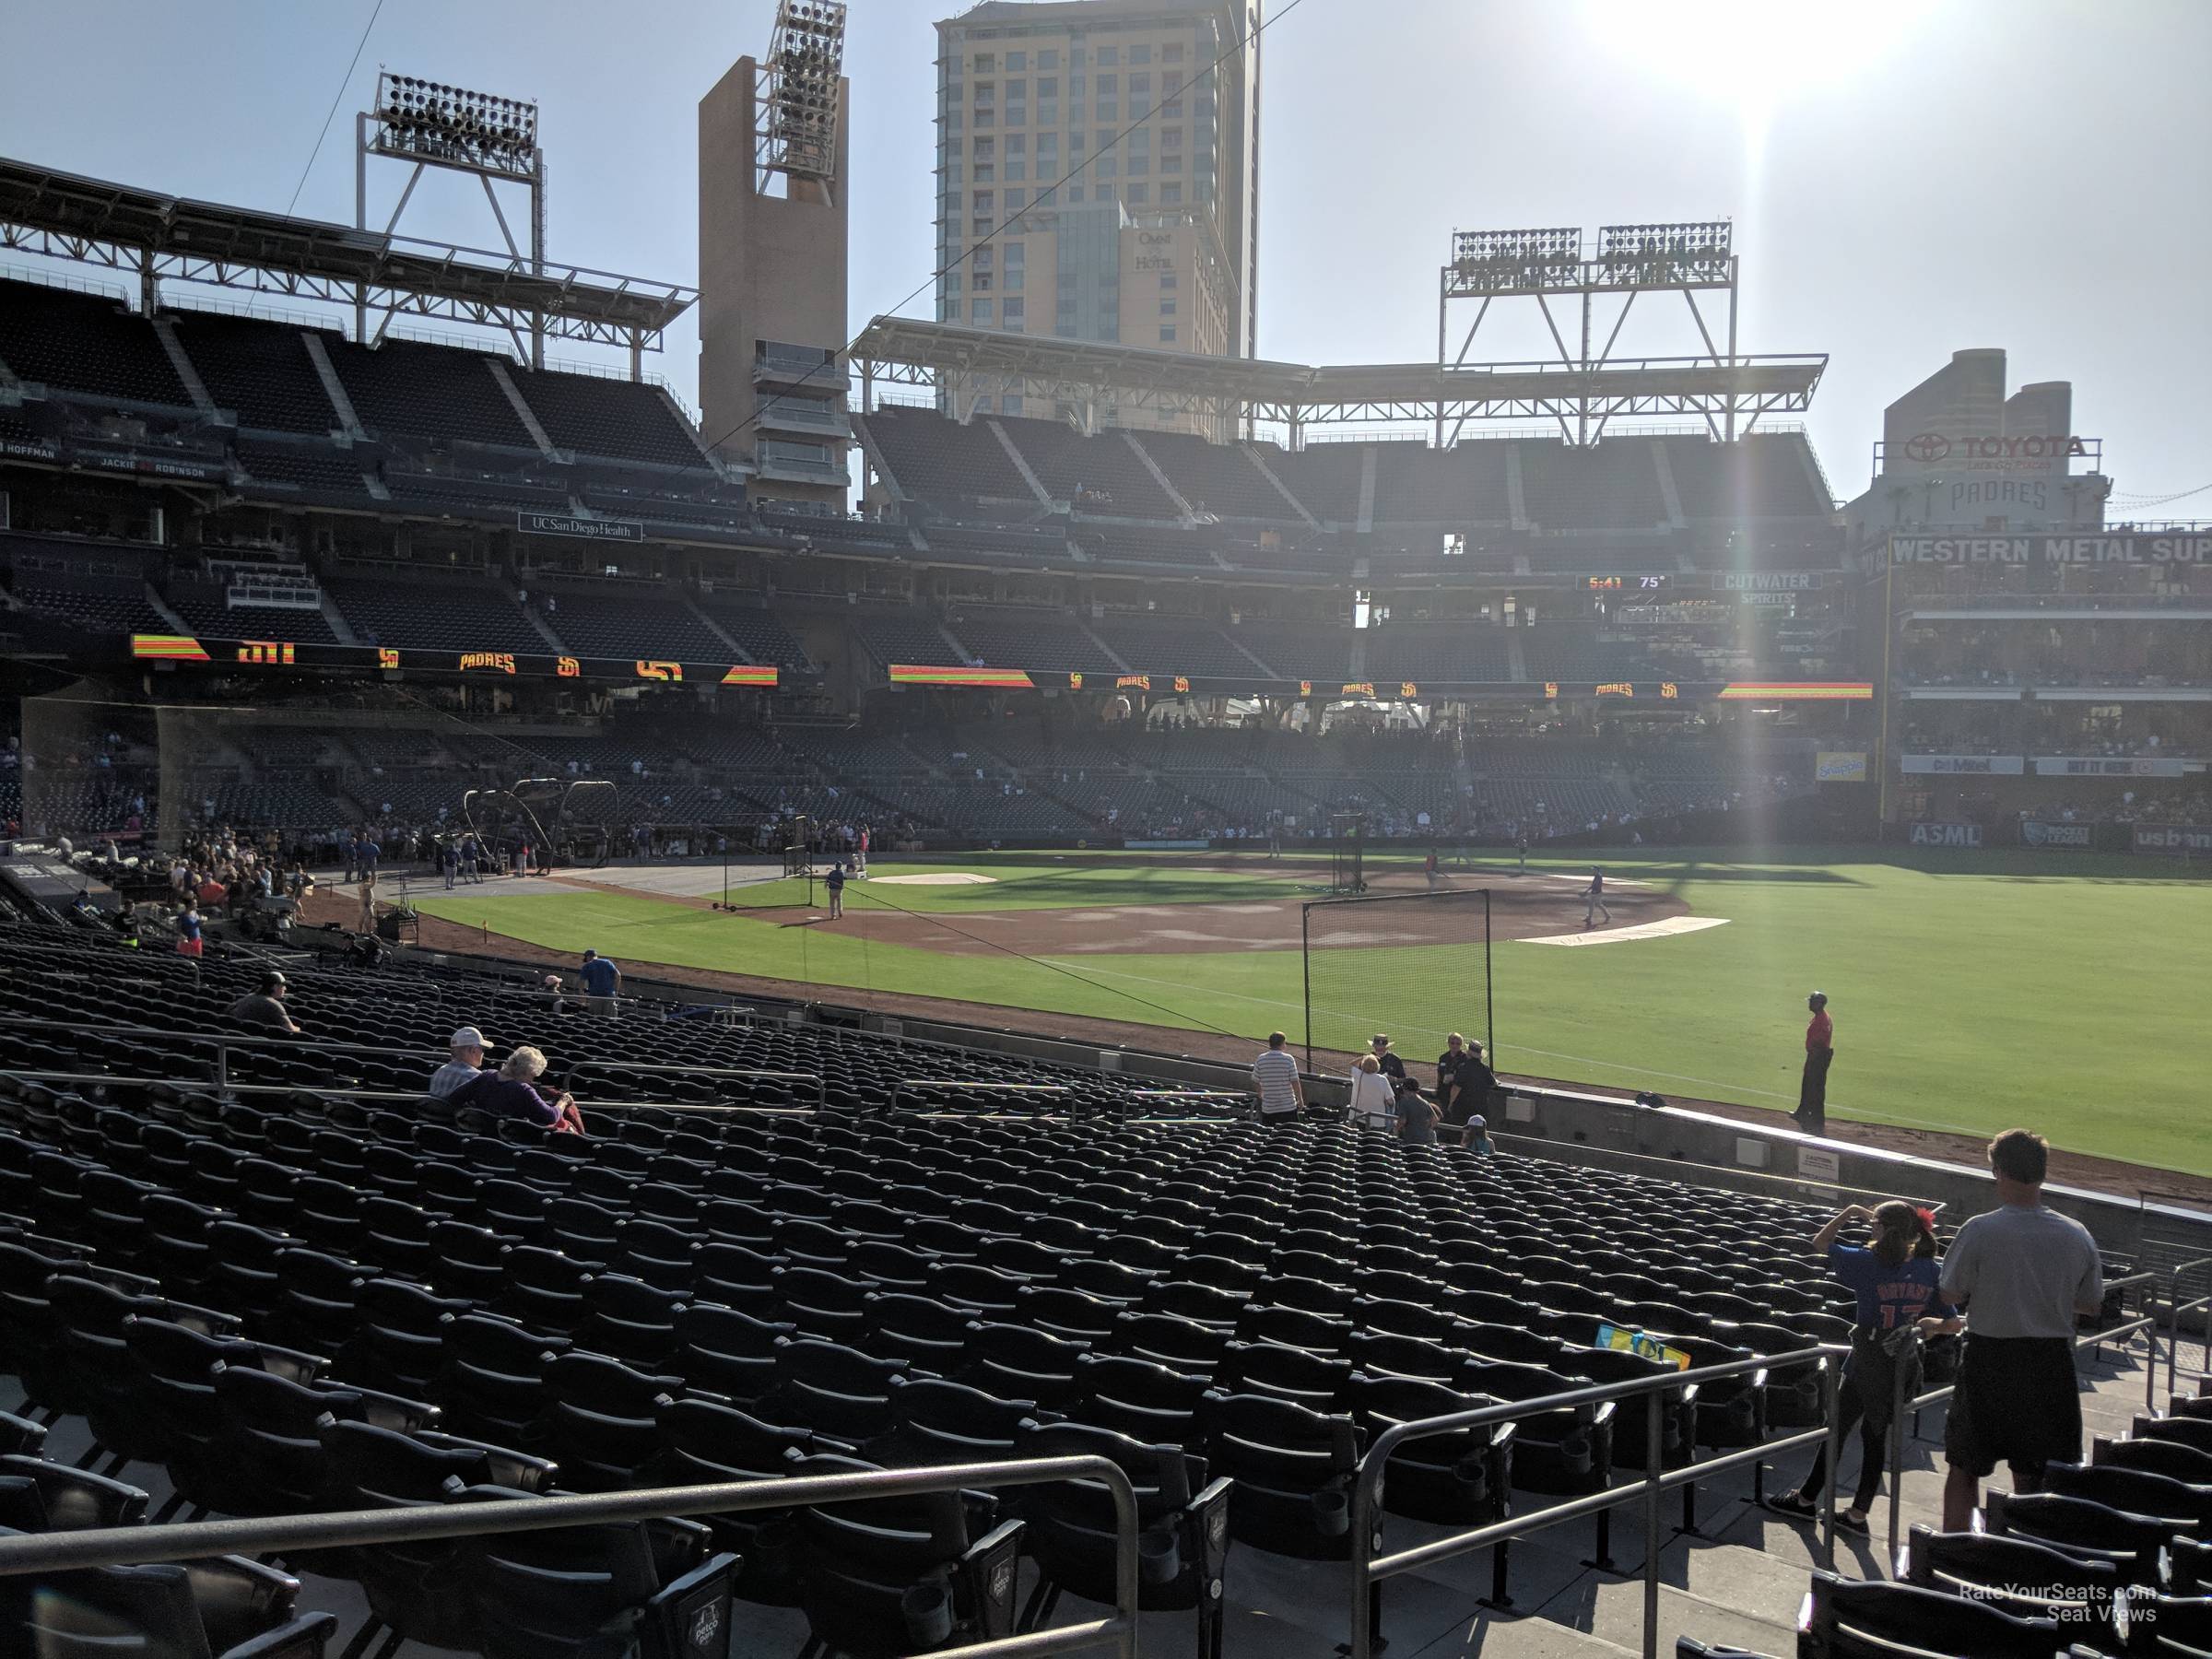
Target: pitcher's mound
(935, 878)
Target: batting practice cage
(1347, 840)
(1415, 966)
(798, 847)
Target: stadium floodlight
(1693, 251)
(429, 121)
(1517, 260)
(798, 129)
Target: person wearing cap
(1819, 1054)
(1459, 1090)
(602, 982)
(463, 1068)
(1477, 1138)
(266, 1007)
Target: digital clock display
(1646, 584)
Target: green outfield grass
(2066, 993)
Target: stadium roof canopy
(908, 350)
(168, 237)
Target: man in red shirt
(1819, 1053)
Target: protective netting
(83, 766)
(1414, 966)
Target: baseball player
(1593, 899)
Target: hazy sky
(1905, 180)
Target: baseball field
(1970, 991)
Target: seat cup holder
(1332, 1513)
(927, 1609)
(1159, 1557)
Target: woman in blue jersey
(1894, 1279)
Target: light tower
(774, 158)
(430, 123)
(1548, 264)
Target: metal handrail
(223, 1043)
(1368, 1568)
(996, 1087)
(821, 1090)
(1899, 1405)
(1672, 1169)
(131, 1546)
(411, 1098)
(2175, 1308)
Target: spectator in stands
(602, 982)
(1275, 1074)
(1373, 1099)
(1417, 1114)
(1479, 1137)
(1463, 1080)
(189, 942)
(266, 1007)
(511, 1091)
(1386, 1058)
(1895, 1281)
(463, 1068)
(1819, 1054)
(2022, 1272)
(835, 884)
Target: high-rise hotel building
(1151, 241)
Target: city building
(1149, 110)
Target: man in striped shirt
(1275, 1073)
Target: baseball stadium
(639, 1016)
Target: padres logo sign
(499, 661)
(567, 667)
(387, 656)
(659, 671)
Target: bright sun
(1751, 52)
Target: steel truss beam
(384, 298)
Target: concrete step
(1612, 1610)
(1494, 1636)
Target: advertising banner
(2107, 766)
(1962, 765)
(564, 524)
(2035, 833)
(1947, 835)
(1836, 766)
(2113, 547)
(2174, 841)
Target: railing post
(1907, 1364)
(1129, 1527)
(2150, 1337)
(1364, 1480)
(222, 1068)
(1654, 1432)
(1830, 1381)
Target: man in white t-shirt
(1275, 1074)
(2024, 1274)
